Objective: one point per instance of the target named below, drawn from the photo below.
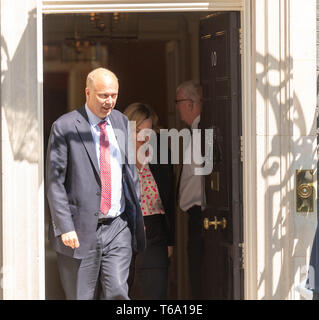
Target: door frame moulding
(244, 6)
(249, 154)
(85, 6)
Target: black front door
(220, 75)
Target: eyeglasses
(181, 100)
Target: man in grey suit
(94, 195)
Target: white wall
(284, 49)
(22, 213)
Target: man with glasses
(191, 186)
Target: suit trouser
(150, 267)
(195, 250)
(104, 271)
(150, 284)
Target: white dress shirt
(117, 196)
(191, 191)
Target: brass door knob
(207, 223)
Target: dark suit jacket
(73, 182)
(164, 178)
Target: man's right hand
(70, 239)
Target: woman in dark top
(149, 269)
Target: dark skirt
(149, 269)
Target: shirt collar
(94, 119)
(196, 122)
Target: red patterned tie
(105, 169)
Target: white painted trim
(41, 229)
(249, 161)
(85, 6)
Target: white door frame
(249, 162)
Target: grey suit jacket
(73, 182)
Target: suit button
(96, 213)
(98, 193)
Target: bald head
(97, 74)
(101, 92)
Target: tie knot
(102, 125)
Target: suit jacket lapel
(83, 127)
